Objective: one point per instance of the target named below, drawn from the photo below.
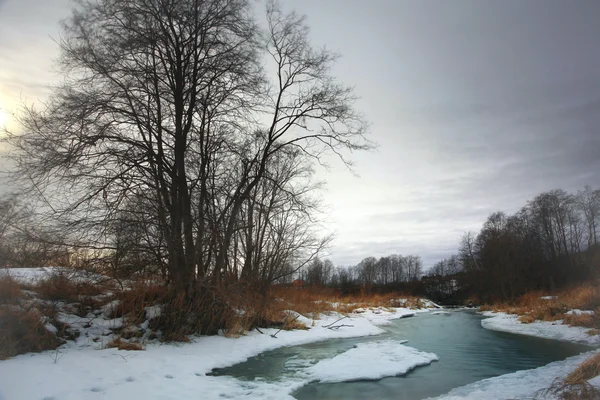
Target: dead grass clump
(10, 291)
(589, 369)
(134, 300)
(60, 286)
(121, 344)
(563, 391)
(308, 302)
(526, 319)
(575, 386)
(291, 323)
(23, 331)
(583, 320)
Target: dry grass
(311, 302)
(589, 369)
(23, 331)
(532, 307)
(121, 344)
(60, 287)
(10, 291)
(575, 386)
(135, 299)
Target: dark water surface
(467, 353)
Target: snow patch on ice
(374, 360)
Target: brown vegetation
(586, 371)
(10, 291)
(23, 331)
(59, 286)
(576, 386)
(537, 306)
(121, 344)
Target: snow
(548, 297)
(384, 316)
(33, 275)
(579, 312)
(544, 329)
(83, 370)
(153, 312)
(374, 360)
(518, 385)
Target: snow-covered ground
(33, 275)
(544, 329)
(81, 371)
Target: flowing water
(467, 353)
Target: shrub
(10, 291)
(22, 331)
(60, 287)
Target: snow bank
(518, 385)
(549, 330)
(374, 360)
(79, 371)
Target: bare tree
(167, 101)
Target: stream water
(467, 353)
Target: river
(467, 353)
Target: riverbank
(84, 369)
(547, 382)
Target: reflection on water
(467, 353)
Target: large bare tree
(169, 103)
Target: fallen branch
(280, 329)
(334, 322)
(339, 326)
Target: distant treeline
(550, 243)
(370, 274)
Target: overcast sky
(476, 106)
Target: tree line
(549, 243)
(383, 274)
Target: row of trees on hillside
(385, 272)
(549, 243)
(182, 140)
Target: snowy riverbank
(544, 329)
(170, 371)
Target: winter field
(84, 368)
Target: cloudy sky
(476, 106)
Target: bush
(23, 331)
